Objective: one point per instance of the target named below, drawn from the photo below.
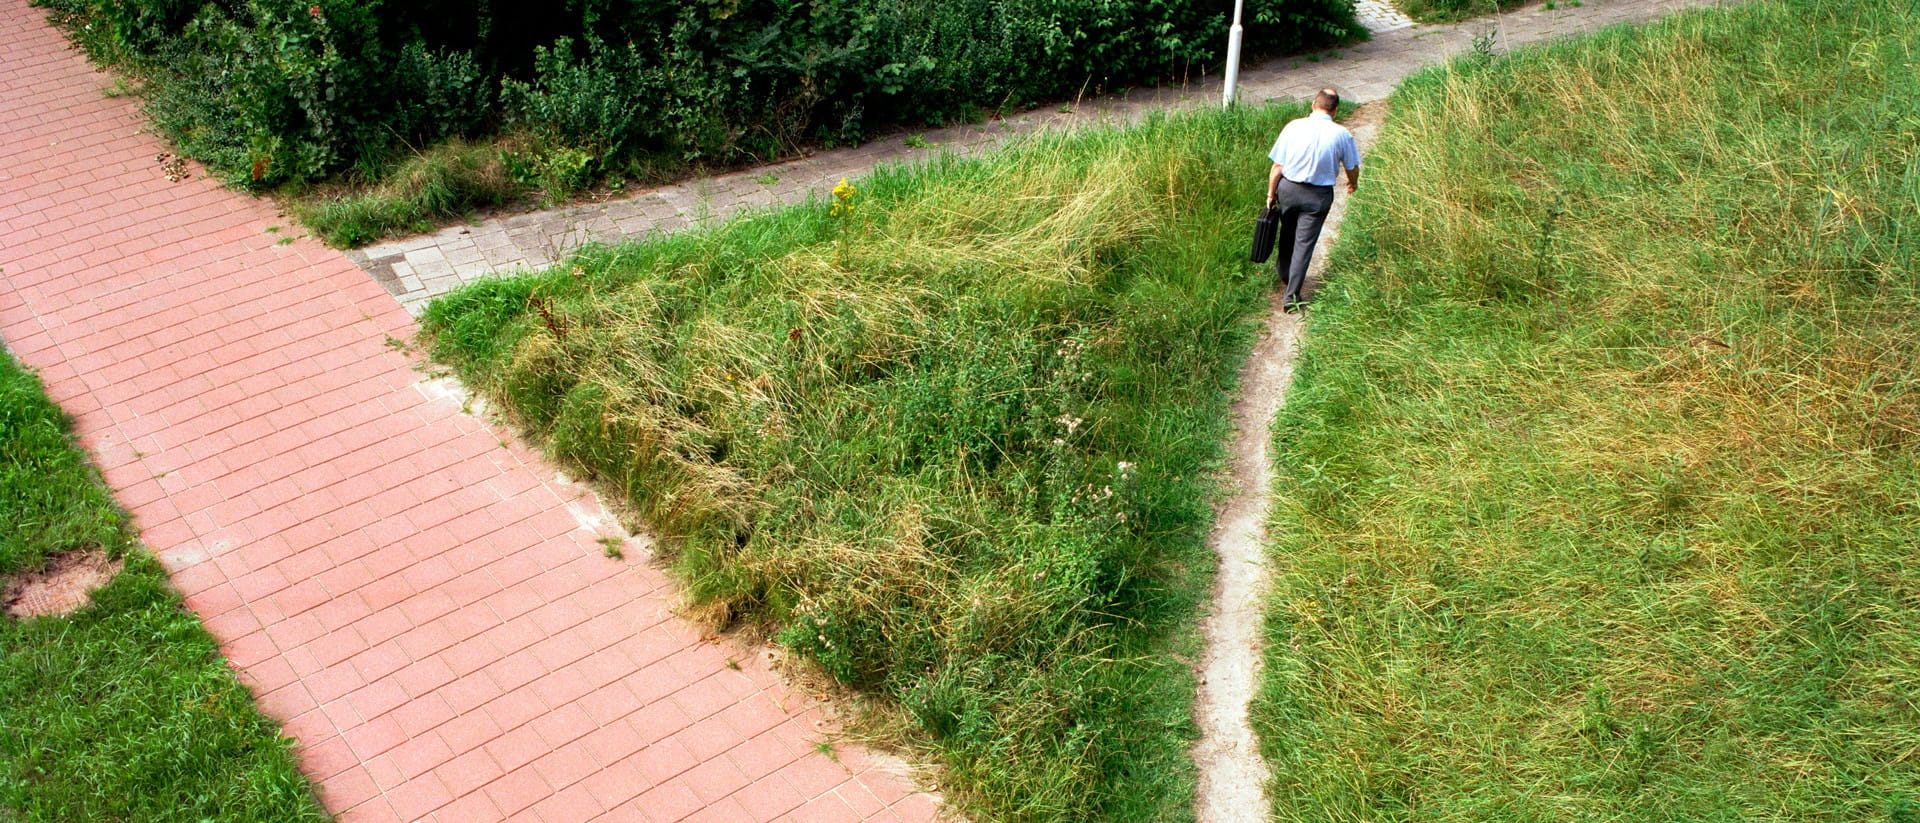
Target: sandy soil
(65, 585)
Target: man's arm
(1273, 184)
(1351, 149)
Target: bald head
(1327, 100)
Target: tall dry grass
(1599, 493)
(948, 434)
(454, 178)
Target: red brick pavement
(417, 602)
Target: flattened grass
(122, 710)
(949, 434)
(1600, 489)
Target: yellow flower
(843, 195)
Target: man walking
(1306, 163)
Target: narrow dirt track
(1232, 774)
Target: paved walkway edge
(419, 601)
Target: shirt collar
(1321, 114)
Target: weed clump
(452, 178)
(947, 434)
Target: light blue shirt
(1312, 149)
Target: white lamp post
(1233, 58)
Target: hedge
(270, 91)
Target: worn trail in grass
(1231, 771)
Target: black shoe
(1294, 307)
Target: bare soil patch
(65, 585)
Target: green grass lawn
(1599, 488)
(123, 710)
(949, 434)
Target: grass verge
(1599, 485)
(450, 180)
(950, 434)
(1453, 11)
(122, 710)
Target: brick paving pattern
(416, 598)
(417, 269)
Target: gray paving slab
(619, 210)
(417, 269)
(464, 255)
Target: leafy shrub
(596, 102)
(935, 61)
(269, 91)
(442, 93)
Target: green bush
(270, 91)
(440, 94)
(595, 102)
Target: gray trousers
(1303, 209)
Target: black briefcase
(1265, 231)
